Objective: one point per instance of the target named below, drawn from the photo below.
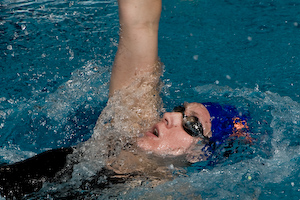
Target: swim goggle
(190, 124)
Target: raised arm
(138, 41)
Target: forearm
(139, 12)
(138, 46)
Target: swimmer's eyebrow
(193, 113)
(185, 105)
(190, 112)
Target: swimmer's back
(28, 176)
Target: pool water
(55, 64)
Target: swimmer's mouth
(155, 132)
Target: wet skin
(167, 137)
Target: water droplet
(16, 35)
(256, 87)
(228, 77)
(9, 47)
(296, 24)
(171, 166)
(23, 27)
(10, 101)
(71, 55)
(2, 99)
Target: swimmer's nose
(172, 119)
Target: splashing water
(55, 67)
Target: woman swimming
(130, 139)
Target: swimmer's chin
(158, 151)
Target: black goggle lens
(191, 124)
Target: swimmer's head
(178, 131)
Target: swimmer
(138, 143)
(137, 57)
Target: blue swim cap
(222, 121)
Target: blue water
(55, 63)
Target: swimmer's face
(168, 136)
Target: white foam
(87, 84)
(14, 154)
